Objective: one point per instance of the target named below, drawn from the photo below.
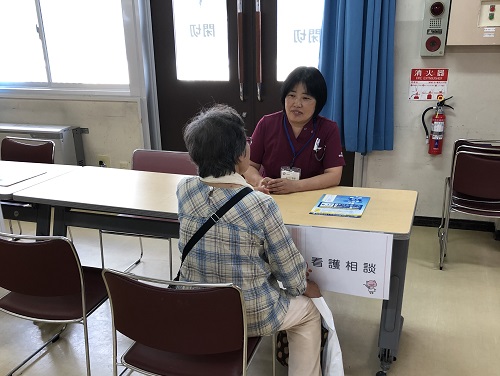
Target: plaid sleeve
(285, 260)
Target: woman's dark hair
(216, 139)
(314, 82)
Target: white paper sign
(428, 84)
(350, 262)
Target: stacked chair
(473, 187)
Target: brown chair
(27, 150)
(473, 187)
(172, 162)
(45, 282)
(200, 330)
(31, 150)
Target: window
(63, 44)
(201, 37)
(201, 46)
(299, 34)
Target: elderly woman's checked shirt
(249, 246)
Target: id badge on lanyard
(291, 173)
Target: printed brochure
(338, 205)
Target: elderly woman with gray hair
(250, 245)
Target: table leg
(39, 214)
(391, 321)
(43, 217)
(60, 228)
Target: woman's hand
(312, 290)
(330, 178)
(262, 186)
(282, 186)
(308, 271)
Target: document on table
(341, 206)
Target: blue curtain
(357, 61)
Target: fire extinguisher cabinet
(67, 139)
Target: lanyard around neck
(294, 152)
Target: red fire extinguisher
(435, 139)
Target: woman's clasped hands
(278, 186)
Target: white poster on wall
(350, 262)
(428, 84)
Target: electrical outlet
(103, 160)
(125, 165)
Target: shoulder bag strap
(210, 222)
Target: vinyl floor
(451, 326)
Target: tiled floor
(451, 326)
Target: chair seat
(67, 307)
(474, 206)
(45, 281)
(173, 364)
(474, 199)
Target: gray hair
(216, 139)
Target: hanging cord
(425, 126)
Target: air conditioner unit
(67, 139)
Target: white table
(39, 172)
(92, 197)
(389, 211)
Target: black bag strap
(210, 222)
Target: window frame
(133, 46)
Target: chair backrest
(199, 320)
(47, 266)
(172, 162)
(27, 150)
(460, 143)
(476, 169)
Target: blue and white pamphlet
(342, 206)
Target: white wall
(474, 81)
(115, 127)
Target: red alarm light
(433, 44)
(437, 8)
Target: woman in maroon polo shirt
(296, 149)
